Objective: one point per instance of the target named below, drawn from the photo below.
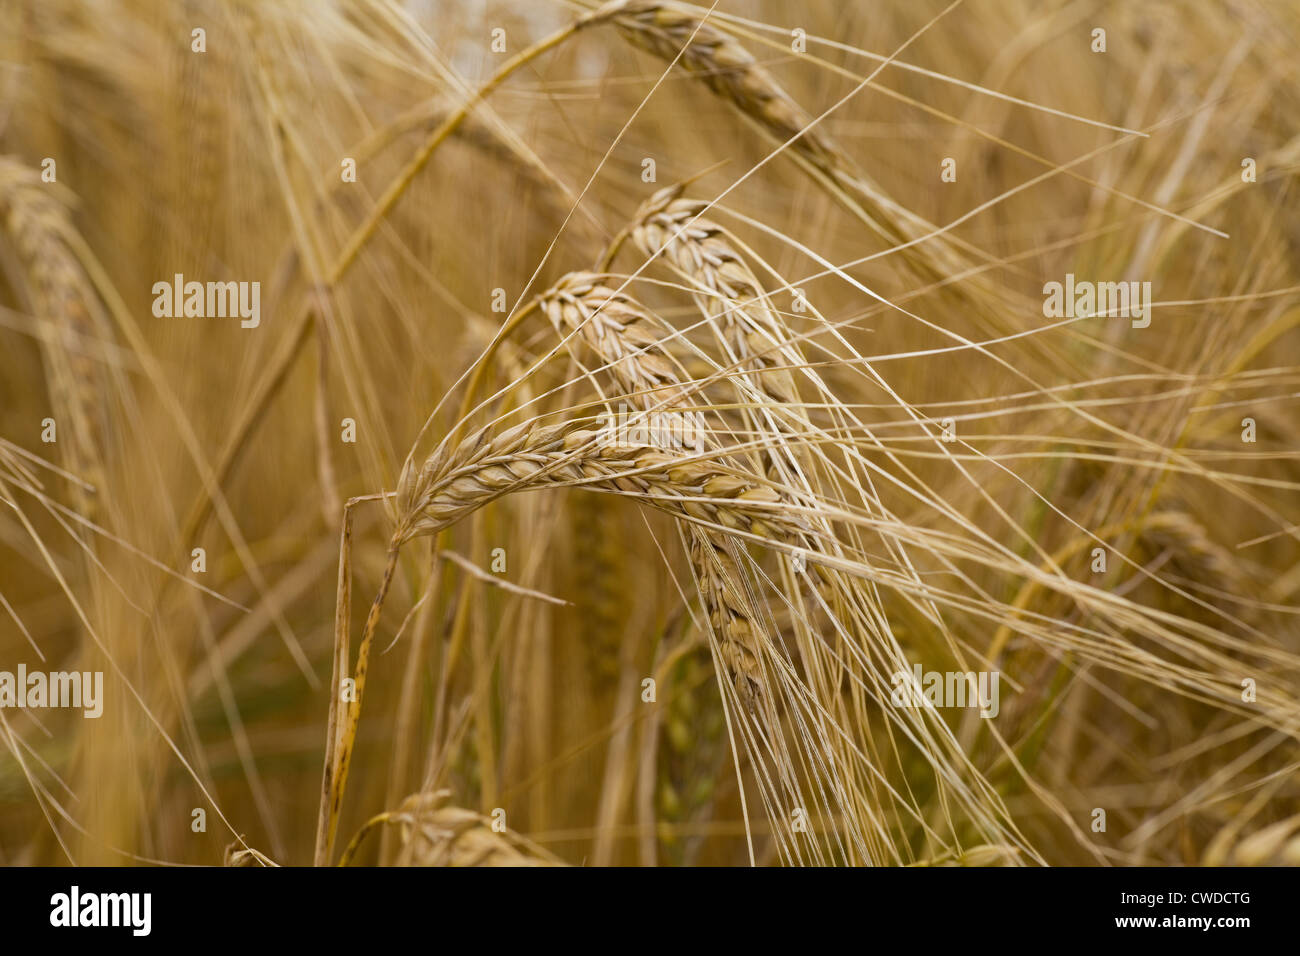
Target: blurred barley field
(491, 256)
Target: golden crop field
(649, 433)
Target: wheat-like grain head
(452, 484)
(37, 225)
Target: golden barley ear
(75, 332)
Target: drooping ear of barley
(728, 69)
(666, 29)
(73, 326)
(764, 363)
(723, 285)
(626, 340)
(749, 329)
(452, 483)
(432, 832)
(762, 673)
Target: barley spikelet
(454, 482)
(621, 333)
(732, 616)
(237, 854)
(751, 332)
(728, 291)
